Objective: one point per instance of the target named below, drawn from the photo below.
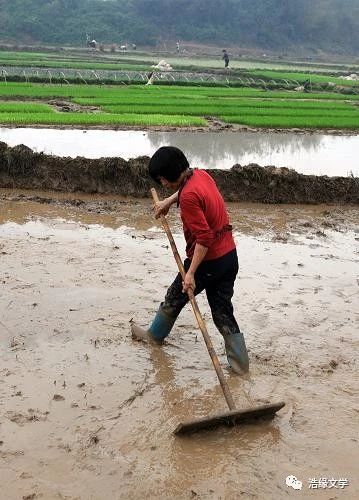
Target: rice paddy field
(25, 103)
(140, 105)
(107, 60)
(20, 63)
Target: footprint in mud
(31, 416)
(328, 367)
(25, 475)
(58, 397)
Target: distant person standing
(150, 78)
(307, 86)
(226, 58)
(178, 47)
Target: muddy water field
(88, 413)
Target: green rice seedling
(292, 113)
(301, 77)
(213, 110)
(176, 99)
(193, 110)
(295, 122)
(165, 105)
(289, 95)
(24, 107)
(221, 103)
(98, 119)
(38, 91)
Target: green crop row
(175, 106)
(104, 93)
(217, 103)
(202, 110)
(98, 119)
(22, 107)
(196, 109)
(294, 122)
(301, 77)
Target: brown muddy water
(87, 413)
(311, 154)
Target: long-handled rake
(233, 416)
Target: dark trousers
(217, 278)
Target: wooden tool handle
(197, 313)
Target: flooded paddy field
(22, 168)
(310, 154)
(87, 413)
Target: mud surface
(86, 413)
(20, 167)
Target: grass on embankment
(175, 106)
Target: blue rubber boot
(160, 328)
(236, 351)
(161, 325)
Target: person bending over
(211, 264)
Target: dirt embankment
(20, 167)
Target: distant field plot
(301, 77)
(48, 60)
(54, 118)
(117, 93)
(246, 108)
(182, 60)
(24, 107)
(35, 63)
(186, 67)
(270, 121)
(178, 106)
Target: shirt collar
(185, 180)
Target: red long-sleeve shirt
(204, 216)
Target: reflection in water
(307, 153)
(228, 148)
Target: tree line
(329, 25)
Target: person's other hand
(161, 208)
(188, 283)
